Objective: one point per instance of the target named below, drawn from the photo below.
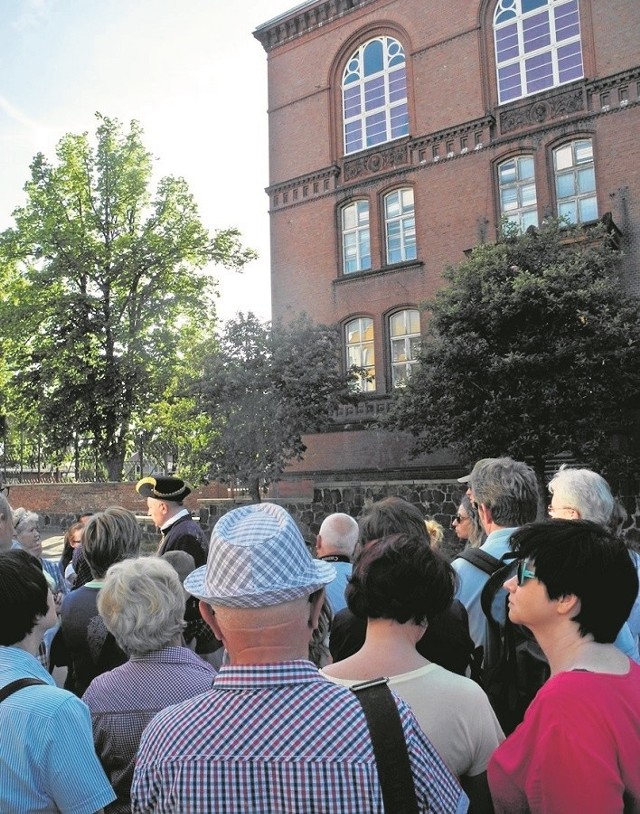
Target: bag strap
(16, 685)
(485, 562)
(389, 746)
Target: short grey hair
(142, 604)
(340, 532)
(109, 537)
(508, 488)
(586, 492)
(22, 516)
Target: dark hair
(400, 577)
(392, 515)
(582, 558)
(67, 550)
(24, 595)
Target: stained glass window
(374, 95)
(537, 46)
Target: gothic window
(537, 45)
(400, 226)
(374, 95)
(360, 351)
(575, 181)
(517, 187)
(356, 242)
(405, 338)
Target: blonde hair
(142, 604)
(435, 532)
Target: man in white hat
(272, 735)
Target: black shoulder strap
(16, 685)
(485, 562)
(389, 746)
(494, 584)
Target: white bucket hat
(257, 557)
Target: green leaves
(534, 350)
(103, 279)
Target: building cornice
(304, 19)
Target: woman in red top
(578, 746)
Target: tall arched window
(400, 226)
(537, 46)
(360, 351)
(356, 240)
(405, 339)
(575, 179)
(374, 95)
(517, 185)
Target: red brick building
(401, 132)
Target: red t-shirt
(577, 749)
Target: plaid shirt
(277, 738)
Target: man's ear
(207, 613)
(484, 513)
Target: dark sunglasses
(459, 518)
(523, 573)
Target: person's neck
(567, 650)
(173, 516)
(31, 642)
(271, 645)
(389, 649)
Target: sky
(192, 74)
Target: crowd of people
(361, 671)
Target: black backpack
(513, 665)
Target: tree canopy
(533, 350)
(262, 388)
(102, 275)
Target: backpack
(513, 665)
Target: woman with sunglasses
(466, 524)
(578, 745)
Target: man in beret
(165, 496)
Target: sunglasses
(459, 518)
(523, 573)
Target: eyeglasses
(459, 518)
(523, 573)
(4, 490)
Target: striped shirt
(47, 758)
(277, 738)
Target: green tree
(265, 386)
(103, 271)
(533, 350)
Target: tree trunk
(254, 490)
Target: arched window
(517, 185)
(400, 226)
(575, 180)
(374, 95)
(537, 46)
(405, 339)
(356, 241)
(360, 351)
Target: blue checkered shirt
(277, 738)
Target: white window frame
(403, 223)
(509, 13)
(523, 214)
(578, 170)
(361, 351)
(356, 237)
(375, 106)
(403, 346)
